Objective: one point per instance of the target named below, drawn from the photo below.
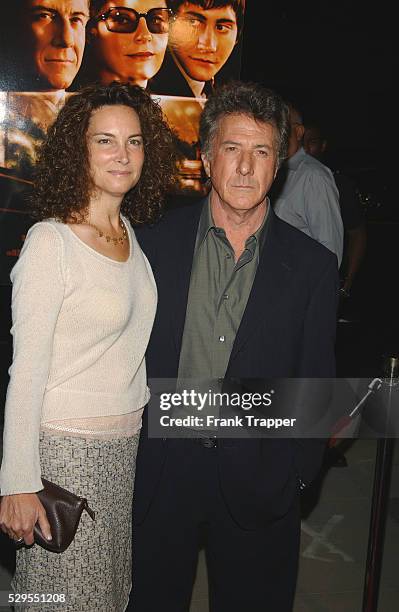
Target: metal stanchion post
(380, 498)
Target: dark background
(336, 59)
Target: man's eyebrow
(42, 7)
(199, 16)
(226, 20)
(258, 146)
(204, 18)
(48, 9)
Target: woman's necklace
(118, 240)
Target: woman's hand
(19, 514)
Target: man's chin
(201, 75)
(57, 81)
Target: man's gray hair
(252, 100)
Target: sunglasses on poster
(126, 20)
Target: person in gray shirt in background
(305, 194)
(315, 142)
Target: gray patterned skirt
(94, 573)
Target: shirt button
(226, 296)
(221, 338)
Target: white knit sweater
(81, 325)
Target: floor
(333, 545)
(334, 541)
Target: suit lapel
(169, 80)
(181, 272)
(270, 283)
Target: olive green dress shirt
(218, 294)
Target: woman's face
(116, 150)
(131, 57)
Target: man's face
(243, 162)
(296, 133)
(57, 35)
(313, 142)
(202, 40)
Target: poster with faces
(177, 50)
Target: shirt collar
(206, 223)
(261, 232)
(197, 87)
(293, 162)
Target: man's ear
(207, 165)
(299, 131)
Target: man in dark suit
(242, 294)
(202, 37)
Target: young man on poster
(241, 294)
(202, 37)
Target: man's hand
(19, 514)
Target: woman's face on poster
(130, 56)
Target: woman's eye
(120, 20)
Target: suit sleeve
(318, 345)
(147, 238)
(318, 361)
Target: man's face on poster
(203, 39)
(56, 30)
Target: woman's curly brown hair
(62, 181)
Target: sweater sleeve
(38, 291)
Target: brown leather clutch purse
(63, 510)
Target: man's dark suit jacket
(287, 330)
(169, 81)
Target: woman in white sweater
(84, 302)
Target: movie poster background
(28, 105)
